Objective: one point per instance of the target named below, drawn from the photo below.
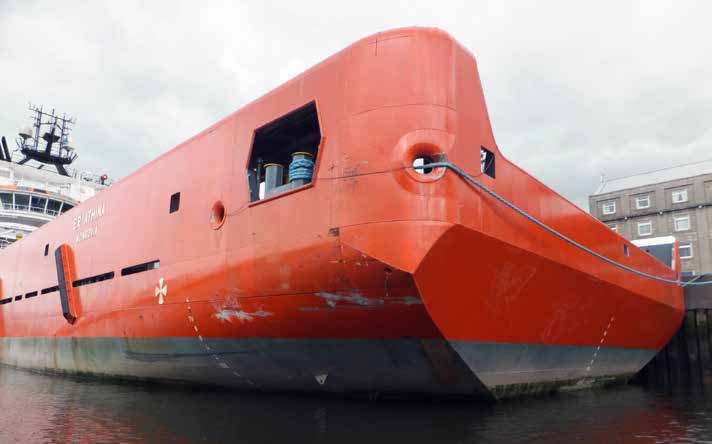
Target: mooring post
(693, 352)
(655, 370)
(663, 368)
(677, 368)
(703, 339)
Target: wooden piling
(686, 361)
(693, 350)
(703, 341)
(676, 366)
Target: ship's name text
(87, 217)
(86, 234)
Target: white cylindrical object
(69, 145)
(25, 132)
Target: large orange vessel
(292, 246)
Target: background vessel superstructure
(32, 195)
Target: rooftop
(654, 177)
(663, 240)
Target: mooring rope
(301, 169)
(473, 181)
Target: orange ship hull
(369, 278)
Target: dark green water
(49, 409)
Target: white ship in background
(36, 184)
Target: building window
(686, 250)
(688, 274)
(682, 223)
(679, 196)
(609, 207)
(645, 228)
(642, 202)
(613, 227)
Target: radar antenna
(53, 130)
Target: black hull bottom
(406, 366)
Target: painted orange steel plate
(371, 277)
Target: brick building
(673, 201)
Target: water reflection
(49, 409)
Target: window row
(33, 203)
(644, 202)
(146, 266)
(645, 228)
(686, 249)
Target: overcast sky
(574, 89)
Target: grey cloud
(574, 90)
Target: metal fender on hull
(64, 259)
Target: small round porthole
(217, 215)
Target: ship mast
(47, 141)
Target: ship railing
(17, 208)
(88, 176)
(83, 176)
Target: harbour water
(36, 408)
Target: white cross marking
(161, 290)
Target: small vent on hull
(141, 268)
(93, 279)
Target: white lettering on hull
(86, 234)
(85, 218)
